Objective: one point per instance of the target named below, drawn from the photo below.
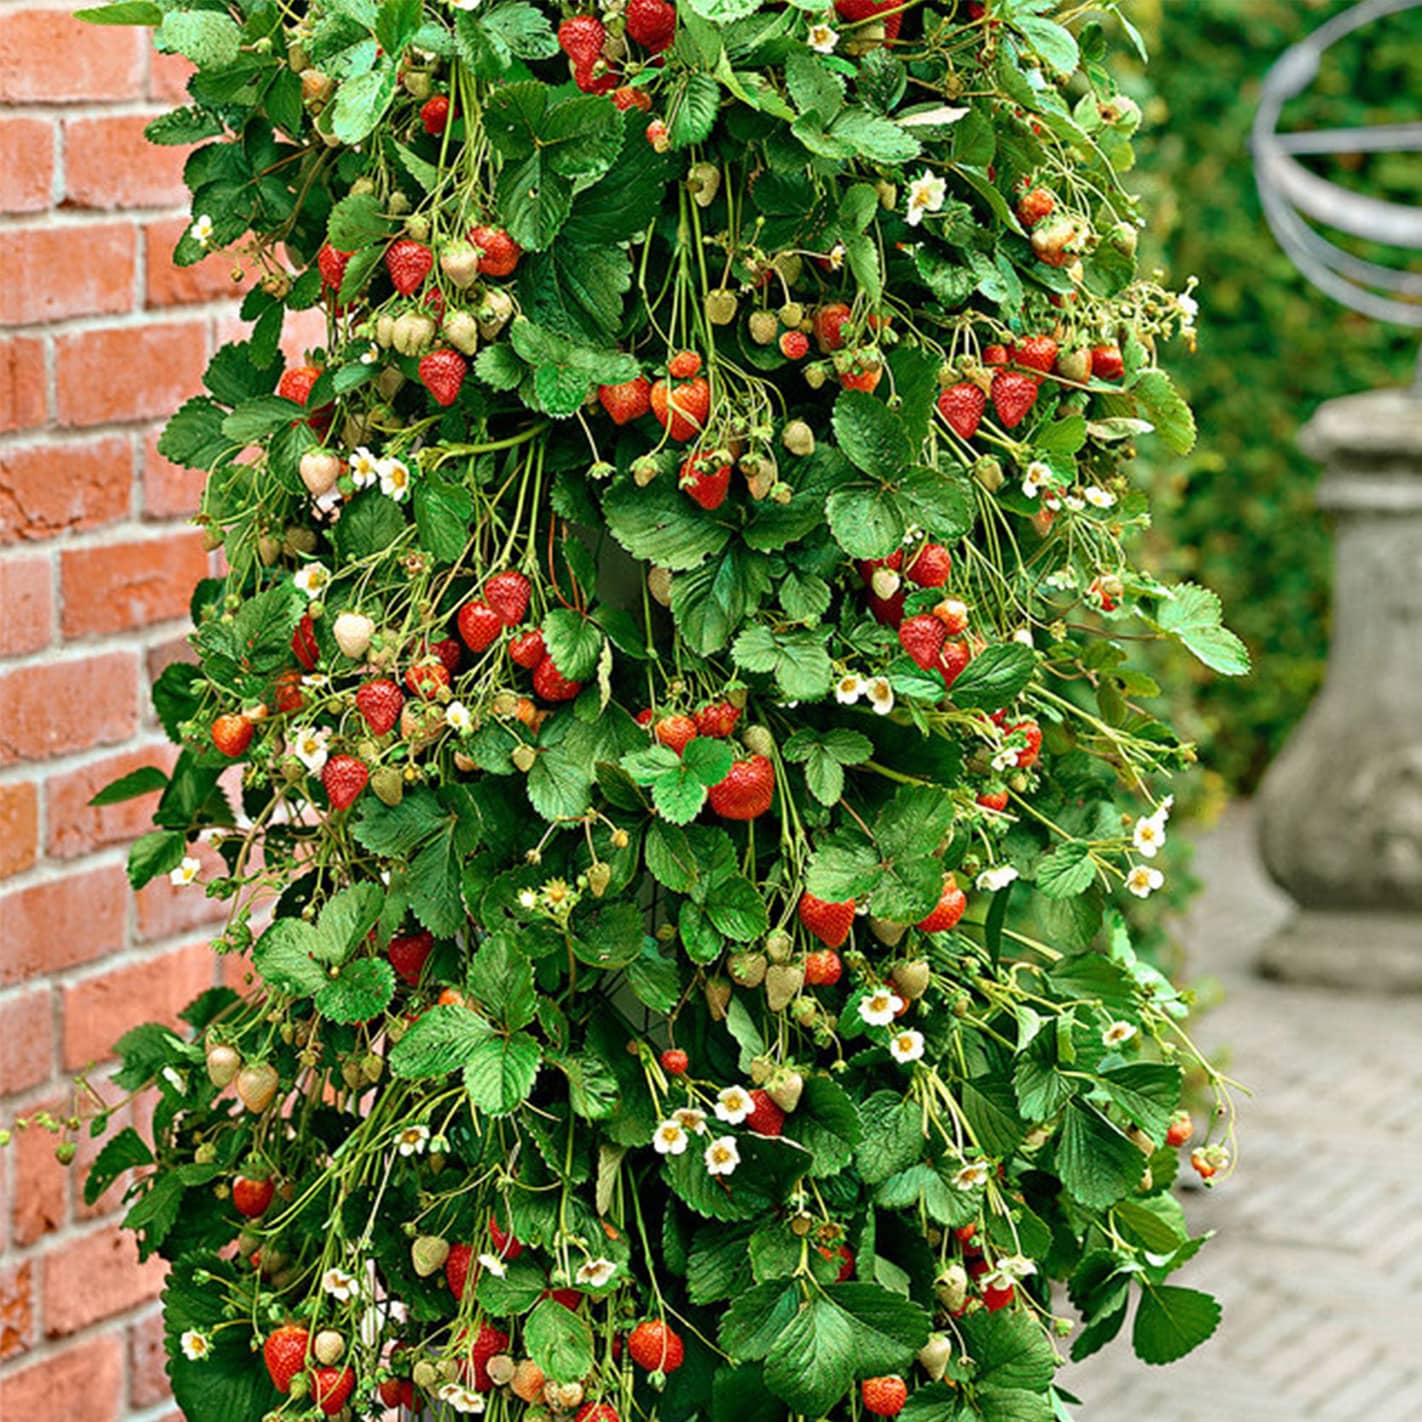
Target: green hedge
(1239, 515)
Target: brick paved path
(1318, 1259)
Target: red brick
(54, 707)
(75, 827)
(17, 1310)
(27, 595)
(40, 1200)
(165, 653)
(168, 285)
(99, 62)
(108, 163)
(99, 1010)
(137, 373)
(26, 1040)
(164, 911)
(147, 1381)
(169, 490)
(132, 584)
(95, 1277)
(55, 272)
(168, 76)
(88, 1151)
(19, 831)
(23, 400)
(83, 1383)
(64, 487)
(53, 925)
(26, 164)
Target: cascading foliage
(665, 737)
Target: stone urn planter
(1340, 811)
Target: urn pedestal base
(1360, 952)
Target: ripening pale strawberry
(746, 792)
(884, 1397)
(953, 614)
(1033, 206)
(962, 405)
(952, 904)
(826, 920)
(794, 345)
(653, 1345)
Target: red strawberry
(684, 365)
(718, 719)
(829, 326)
(296, 384)
(865, 377)
(682, 410)
(408, 263)
(303, 643)
(629, 98)
(479, 625)
(794, 345)
(652, 1344)
(407, 953)
(442, 372)
(596, 1412)
(528, 649)
(449, 652)
(853, 11)
(1035, 205)
(1013, 395)
(596, 78)
(1028, 756)
(962, 405)
(397, 1392)
(993, 799)
(232, 734)
(427, 678)
(888, 611)
(659, 135)
(1181, 1129)
(652, 23)
(827, 920)
(884, 1397)
(332, 264)
(491, 1341)
(954, 657)
(930, 567)
(675, 1061)
(330, 1387)
(506, 1246)
(747, 790)
(1107, 362)
(456, 1268)
(1038, 353)
(251, 1197)
(569, 1298)
(498, 252)
(285, 1354)
(997, 354)
(675, 732)
(286, 693)
(846, 1257)
(823, 967)
(922, 637)
(380, 702)
(952, 903)
(766, 1118)
(508, 594)
(434, 114)
(550, 684)
(1203, 1162)
(344, 778)
(705, 481)
(995, 1298)
(581, 38)
(628, 401)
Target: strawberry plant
(666, 737)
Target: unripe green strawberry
(461, 330)
(785, 1088)
(718, 998)
(778, 945)
(798, 437)
(759, 739)
(747, 969)
(428, 1254)
(783, 982)
(764, 326)
(721, 306)
(459, 261)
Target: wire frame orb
(1295, 198)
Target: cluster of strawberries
(593, 61)
(748, 789)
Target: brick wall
(100, 338)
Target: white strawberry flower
(691, 1120)
(201, 231)
(370, 354)
(595, 1273)
(196, 1346)
(906, 1046)
(1062, 580)
(669, 1138)
(1098, 497)
(881, 695)
(1143, 881)
(185, 873)
(835, 256)
(926, 194)
(1149, 836)
(341, 1286)
(1024, 636)
(413, 1140)
(329, 504)
(365, 468)
(1074, 502)
(972, 1176)
(999, 876)
(528, 898)
(459, 1398)
(1117, 1034)
(493, 1264)
(309, 745)
(733, 1105)
(880, 1007)
(1163, 810)
(1005, 759)
(1038, 477)
(1015, 1267)
(312, 580)
(721, 1156)
(849, 688)
(394, 478)
(822, 38)
(457, 718)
